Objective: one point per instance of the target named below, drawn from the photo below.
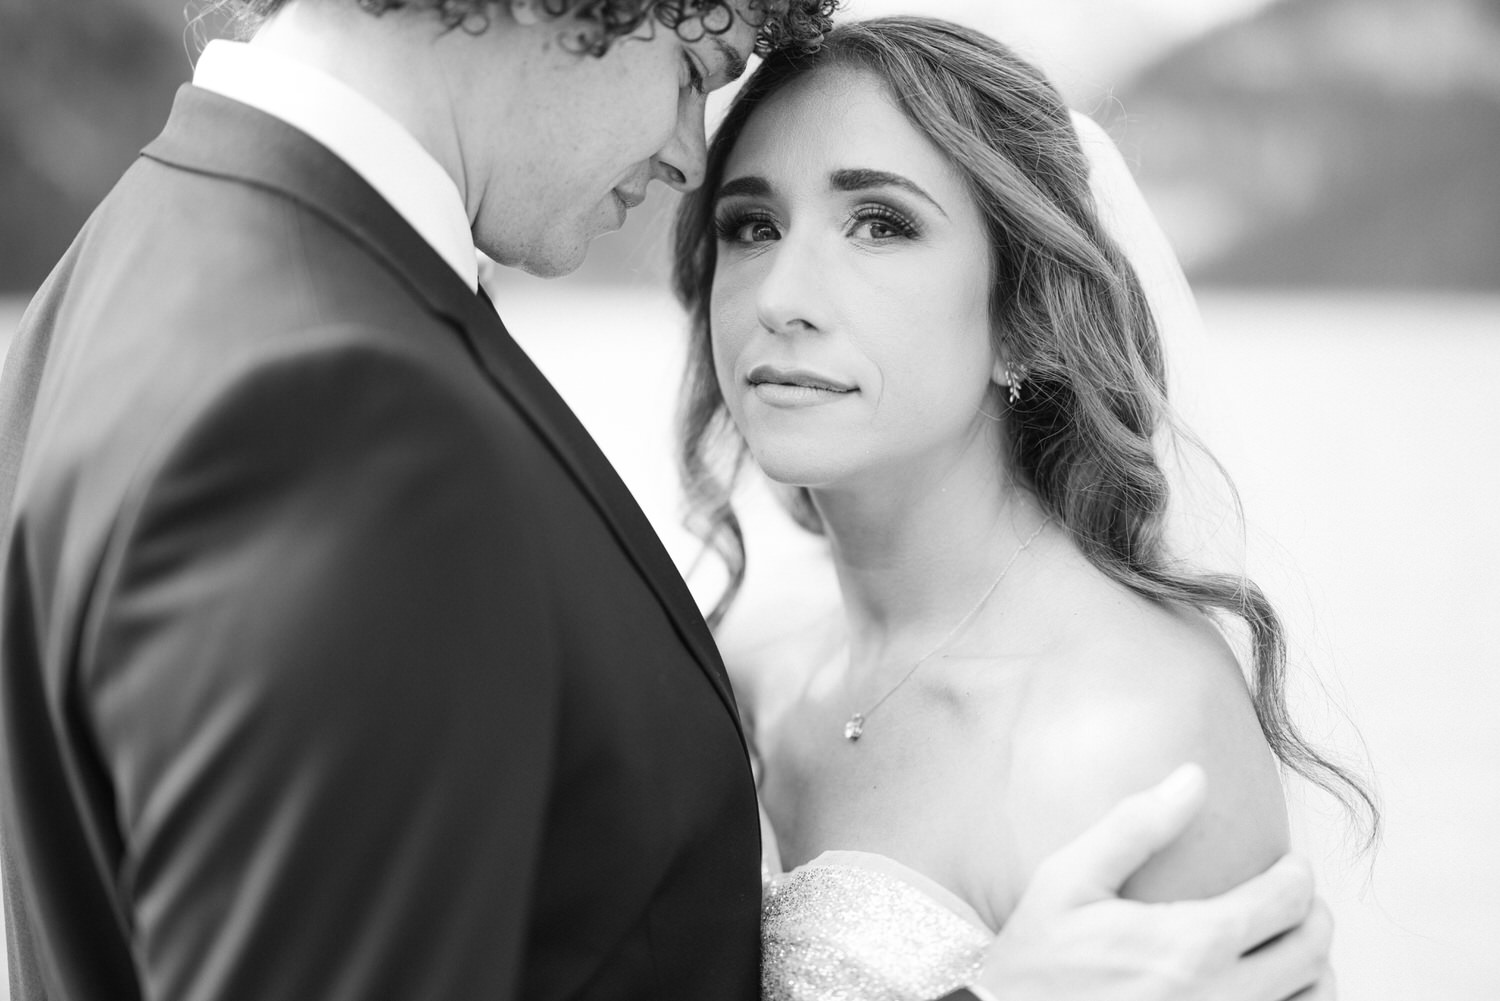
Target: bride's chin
(802, 456)
(793, 471)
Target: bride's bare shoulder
(1135, 690)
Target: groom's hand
(1071, 937)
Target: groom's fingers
(1326, 989)
(1262, 907)
(1293, 965)
(1096, 863)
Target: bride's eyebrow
(752, 186)
(863, 179)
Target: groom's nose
(680, 163)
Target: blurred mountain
(1314, 142)
(1328, 142)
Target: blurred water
(1363, 432)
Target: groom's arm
(325, 693)
(1071, 938)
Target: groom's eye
(697, 83)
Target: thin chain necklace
(855, 727)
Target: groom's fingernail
(1182, 784)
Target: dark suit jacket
(337, 662)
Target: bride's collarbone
(924, 783)
(914, 787)
(944, 729)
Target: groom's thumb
(1098, 862)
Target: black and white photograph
(752, 500)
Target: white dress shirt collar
(353, 128)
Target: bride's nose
(790, 297)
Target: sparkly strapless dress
(856, 926)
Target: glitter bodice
(855, 926)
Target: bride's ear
(1001, 349)
(1000, 371)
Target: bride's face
(850, 305)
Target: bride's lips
(793, 387)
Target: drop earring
(1013, 379)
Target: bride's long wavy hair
(1065, 302)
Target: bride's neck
(909, 560)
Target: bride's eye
(881, 223)
(746, 227)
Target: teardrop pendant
(855, 728)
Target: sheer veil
(1127, 217)
(1203, 525)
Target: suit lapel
(514, 373)
(211, 134)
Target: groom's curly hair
(780, 24)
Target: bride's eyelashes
(746, 226)
(880, 222)
(875, 222)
